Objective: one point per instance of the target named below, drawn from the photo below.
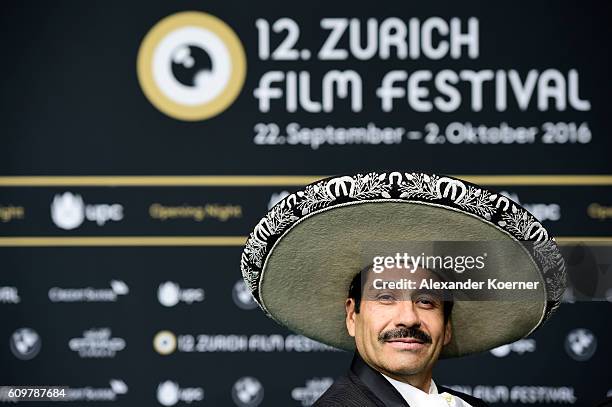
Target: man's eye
(427, 302)
(385, 297)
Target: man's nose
(407, 314)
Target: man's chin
(406, 362)
(399, 368)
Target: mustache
(404, 332)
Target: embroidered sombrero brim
(301, 257)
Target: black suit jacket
(363, 386)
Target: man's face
(399, 332)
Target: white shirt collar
(415, 397)
(409, 392)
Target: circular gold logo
(164, 342)
(191, 66)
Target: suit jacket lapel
(376, 383)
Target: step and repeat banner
(141, 142)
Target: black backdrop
(119, 221)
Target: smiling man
(302, 262)
(399, 335)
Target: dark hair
(354, 292)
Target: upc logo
(277, 197)
(170, 293)
(169, 393)
(69, 211)
(521, 346)
(242, 296)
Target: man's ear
(349, 306)
(448, 332)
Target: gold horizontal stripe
(31, 241)
(592, 240)
(57, 241)
(518, 180)
(273, 180)
(156, 181)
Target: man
(399, 335)
(301, 258)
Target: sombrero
(301, 257)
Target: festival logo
(164, 342)
(191, 66)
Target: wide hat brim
(301, 257)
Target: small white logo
(9, 295)
(277, 197)
(310, 393)
(169, 393)
(501, 351)
(170, 293)
(580, 344)
(88, 294)
(242, 296)
(89, 393)
(68, 211)
(25, 343)
(247, 392)
(119, 287)
(97, 343)
(164, 342)
(521, 346)
(118, 386)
